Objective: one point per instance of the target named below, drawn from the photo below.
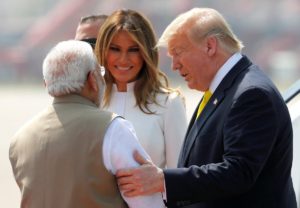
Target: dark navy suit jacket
(238, 153)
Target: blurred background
(269, 30)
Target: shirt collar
(223, 71)
(73, 98)
(130, 87)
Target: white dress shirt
(294, 109)
(223, 71)
(119, 143)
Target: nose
(123, 58)
(175, 64)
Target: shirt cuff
(164, 194)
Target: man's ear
(92, 81)
(211, 45)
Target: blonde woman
(137, 89)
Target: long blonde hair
(151, 80)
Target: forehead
(122, 37)
(178, 41)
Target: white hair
(66, 67)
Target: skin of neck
(121, 87)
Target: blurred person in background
(88, 27)
(68, 154)
(137, 89)
(238, 148)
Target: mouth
(123, 68)
(183, 75)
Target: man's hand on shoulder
(144, 180)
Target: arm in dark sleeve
(249, 134)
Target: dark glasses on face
(91, 41)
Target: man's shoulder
(36, 122)
(98, 114)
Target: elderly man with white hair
(67, 155)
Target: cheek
(110, 58)
(186, 61)
(110, 62)
(137, 60)
(193, 61)
(192, 64)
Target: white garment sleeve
(119, 143)
(175, 126)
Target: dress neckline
(130, 87)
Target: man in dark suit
(238, 148)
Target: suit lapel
(199, 123)
(196, 125)
(185, 143)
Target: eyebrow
(174, 49)
(132, 46)
(169, 52)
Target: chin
(191, 86)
